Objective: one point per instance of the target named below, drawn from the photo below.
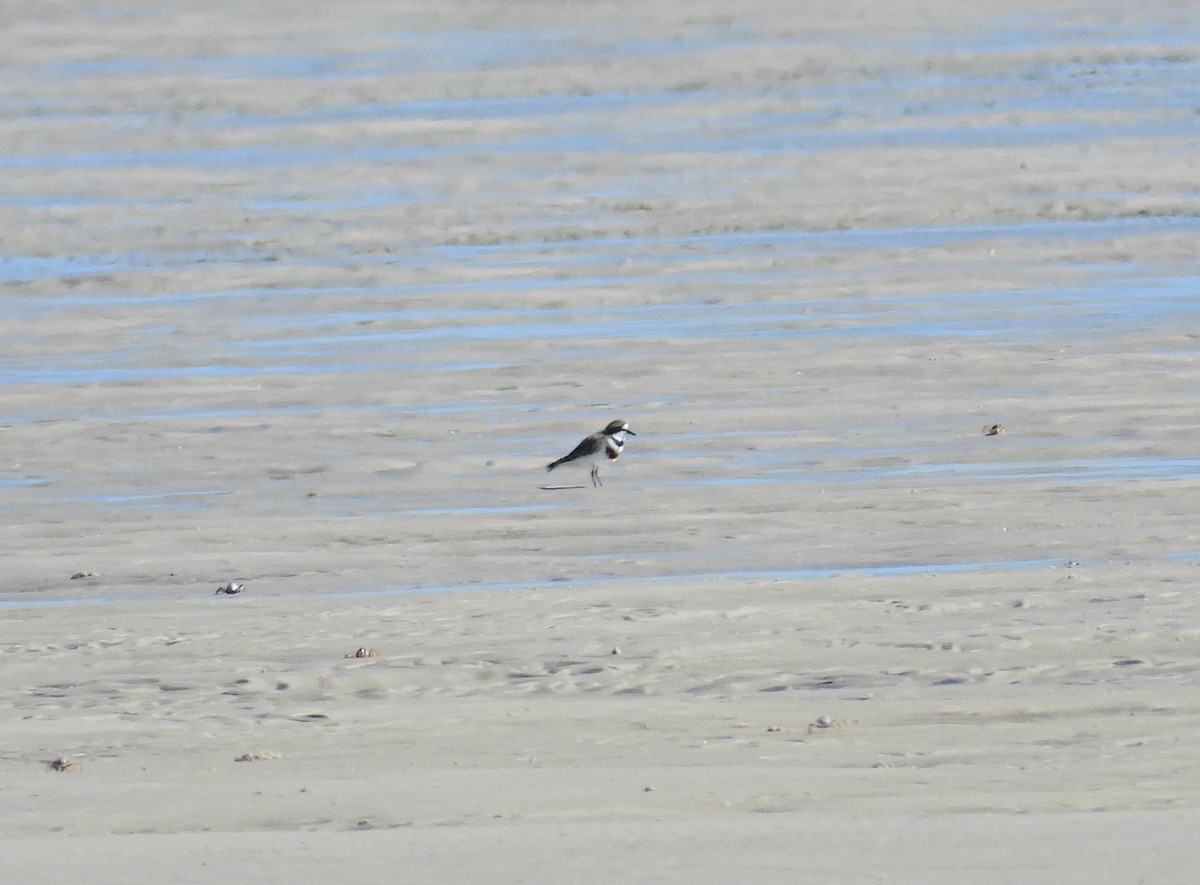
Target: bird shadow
(560, 488)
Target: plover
(604, 445)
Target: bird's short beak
(630, 432)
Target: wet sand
(310, 303)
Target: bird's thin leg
(596, 476)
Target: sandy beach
(307, 296)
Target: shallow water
(794, 574)
(278, 340)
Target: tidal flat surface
(383, 270)
(306, 296)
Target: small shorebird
(231, 588)
(604, 445)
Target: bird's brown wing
(581, 450)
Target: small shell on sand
(231, 588)
(257, 757)
(62, 764)
(362, 653)
(823, 722)
(993, 430)
(78, 575)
